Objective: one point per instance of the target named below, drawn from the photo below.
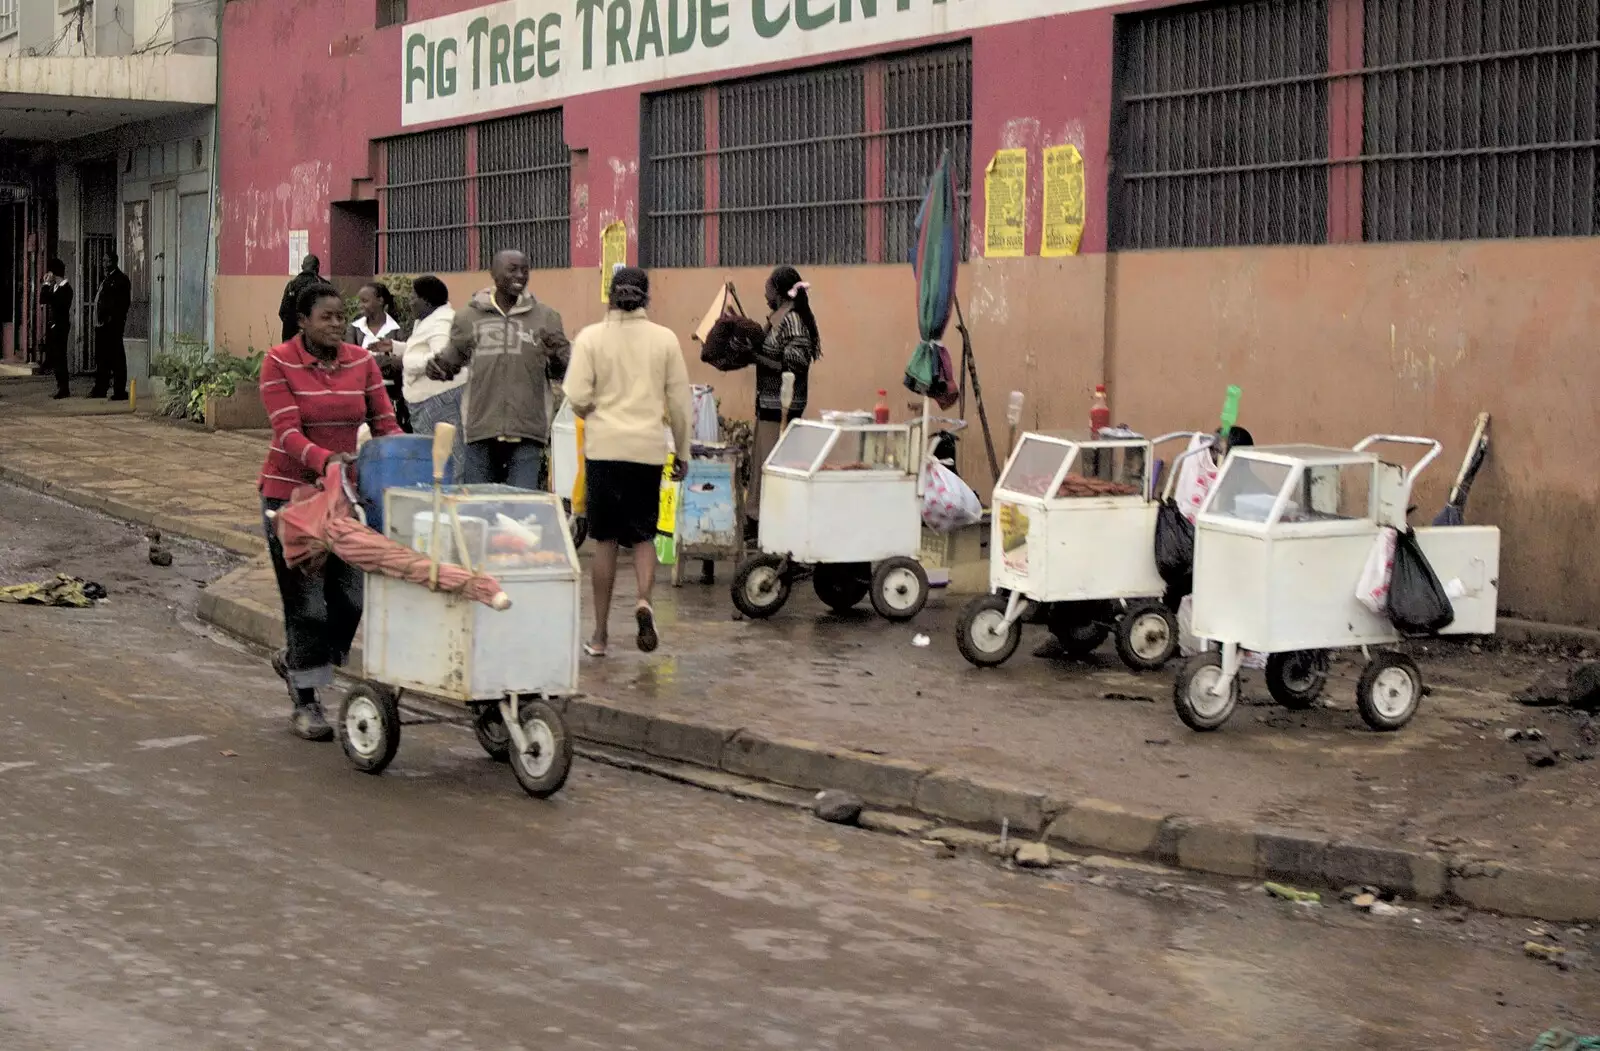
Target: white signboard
(523, 52)
(299, 248)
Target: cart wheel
(1191, 693)
(1389, 691)
(1079, 635)
(1147, 637)
(978, 633)
(842, 587)
(369, 727)
(899, 588)
(1296, 679)
(543, 768)
(759, 587)
(491, 730)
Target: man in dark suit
(56, 298)
(310, 274)
(110, 322)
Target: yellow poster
(1063, 201)
(1005, 184)
(613, 254)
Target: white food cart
(840, 500)
(503, 666)
(1280, 545)
(1072, 543)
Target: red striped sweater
(316, 408)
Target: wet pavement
(181, 874)
(1446, 781)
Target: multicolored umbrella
(934, 259)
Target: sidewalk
(1443, 809)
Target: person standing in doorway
(318, 390)
(110, 321)
(376, 329)
(432, 402)
(288, 312)
(56, 298)
(626, 376)
(791, 345)
(516, 348)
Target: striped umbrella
(934, 259)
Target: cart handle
(1175, 435)
(1434, 449)
(1209, 442)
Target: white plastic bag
(948, 503)
(1372, 590)
(1195, 477)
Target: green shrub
(400, 285)
(191, 373)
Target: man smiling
(516, 347)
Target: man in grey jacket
(516, 347)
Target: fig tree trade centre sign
(524, 52)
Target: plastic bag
(1418, 603)
(948, 503)
(1175, 547)
(1195, 478)
(1372, 590)
(930, 372)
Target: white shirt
(428, 337)
(368, 337)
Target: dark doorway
(353, 239)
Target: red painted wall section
(307, 85)
(1038, 84)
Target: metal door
(95, 249)
(164, 320)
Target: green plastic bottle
(1230, 410)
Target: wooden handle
(444, 443)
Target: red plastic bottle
(1099, 412)
(880, 411)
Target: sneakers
(308, 723)
(645, 618)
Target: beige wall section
(1329, 343)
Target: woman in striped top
(318, 390)
(791, 345)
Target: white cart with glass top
(503, 666)
(1072, 544)
(1280, 545)
(840, 501)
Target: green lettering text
(680, 26)
(524, 50)
(550, 44)
(649, 29)
(766, 26)
(445, 67)
(619, 25)
(711, 34)
(586, 11)
(477, 29)
(415, 72)
(500, 55)
(808, 20)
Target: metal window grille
(1222, 130)
(425, 200)
(1480, 119)
(8, 17)
(392, 13)
(524, 189)
(824, 166)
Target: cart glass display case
(842, 492)
(449, 647)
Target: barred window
(824, 166)
(524, 181)
(391, 13)
(1480, 119)
(425, 203)
(438, 217)
(1222, 131)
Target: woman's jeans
(442, 408)
(321, 611)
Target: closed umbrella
(934, 257)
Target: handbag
(730, 344)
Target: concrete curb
(238, 543)
(751, 765)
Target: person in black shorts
(626, 376)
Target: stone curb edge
(238, 543)
(744, 763)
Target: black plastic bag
(1175, 549)
(1418, 604)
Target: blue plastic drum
(396, 461)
